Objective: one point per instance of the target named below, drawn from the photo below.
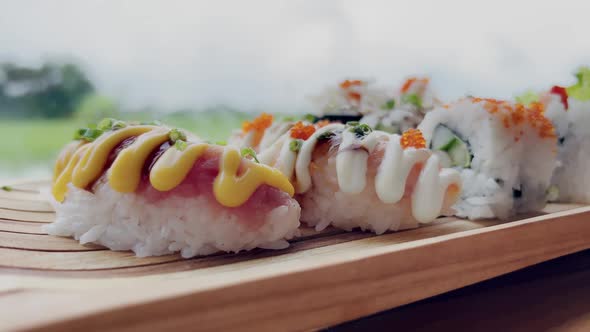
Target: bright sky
(271, 54)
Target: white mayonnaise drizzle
(248, 139)
(303, 183)
(390, 182)
(351, 161)
(429, 190)
(272, 134)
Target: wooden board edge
(329, 294)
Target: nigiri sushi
(349, 176)
(504, 151)
(156, 190)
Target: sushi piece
(156, 190)
(504, 151)
(350, 176)
(393, 111)
(349, 101)
(569, 110)
(417, 93)
(395, 121)
(405, 108)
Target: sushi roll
(350, 176)
(349, 100)
(405, 108)
(504, 151)
(156, 191)
(417, 93)
(395, 121)
(569, 110)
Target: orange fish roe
(412, 138)
(302, 131)
(348, 83)
(259, 124)
(408, 83)
(354, 96)
(517, 114)
(453, 189)
(537, 118)
(322, 123)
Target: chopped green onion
(118, 125)
(389, 105)
(527, 97)
(310, 118)
(78, 134)
(295, 145)
(91, 134)
(583, 76)
(249, 152)
(106, 124)
(413, 99)
(176, 134)
(221, 143)
(6, 188)
(180, 145)
(581, 90)
(361, 130)
(289, 119)
(87, 134)
(110, 124)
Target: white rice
(188, 225)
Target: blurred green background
(41, 107)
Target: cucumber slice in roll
(444, 139)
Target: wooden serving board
(55, 284)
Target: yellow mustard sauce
(173, 166)
(92, 164)
(85, 164)
(233, 191)
(60, 185)
(64, 157)
(125, 173)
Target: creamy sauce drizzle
(273, 133)
(430, 189)
(351, 161)
(303, 183)
(84, 163)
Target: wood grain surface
(551, 296)
(322, 279)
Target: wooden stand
(52, 284)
